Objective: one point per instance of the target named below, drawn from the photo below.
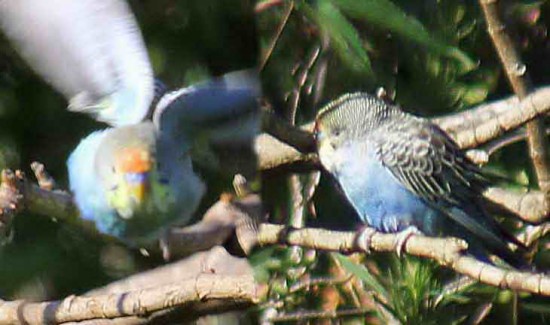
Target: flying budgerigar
(133, 181)
(401, 173)
(91, 51)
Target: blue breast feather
(378, 198)
(86, 187)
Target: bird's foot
(10, 202)
(364, 238)
(402, 238)
(45, 181)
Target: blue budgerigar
(402, 173)
(91, 51)
(133, 181)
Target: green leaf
(344, 37)
(362, 273)
(538, 308)
(385, 14)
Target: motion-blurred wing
(226, 107)
(89, 50)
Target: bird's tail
(484, 234)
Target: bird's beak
(317, 134)
(138, 185)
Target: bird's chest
(130, 218)
(379, 199)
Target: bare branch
(203, 288)
(517, 74)
(179, 286)
(299, 138)
(447, 252)
(206, 283)
(219, 223)
(485, 122)
(275, 154)
(530, 206)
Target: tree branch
(529, 206)
(203, 288)
(517, 74)
(199, 285)
(206, 283)
(447, 252)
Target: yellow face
(132, 171)
(136, 165)
(328, 141)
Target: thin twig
(275, 39)
(264, 5)
(517, 74)
(325, 281)
(312, 315)
(508, 139)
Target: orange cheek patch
(131, 160)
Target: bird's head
(330, 135)
(336, 124)
(347, 119)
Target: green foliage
(345, 38)
(385, 14)
(410, 291)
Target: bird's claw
(402, 238)
(10, 195)
(10, 202)
(364, 239)
(45, 181)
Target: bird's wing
(91, 51)
(227, 104)
(430, 165)
(428, 162)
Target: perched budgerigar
(91, 51)
(131, 182)
(403, 173)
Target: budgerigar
(132, 182)
(135, 180)
(401, 172)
